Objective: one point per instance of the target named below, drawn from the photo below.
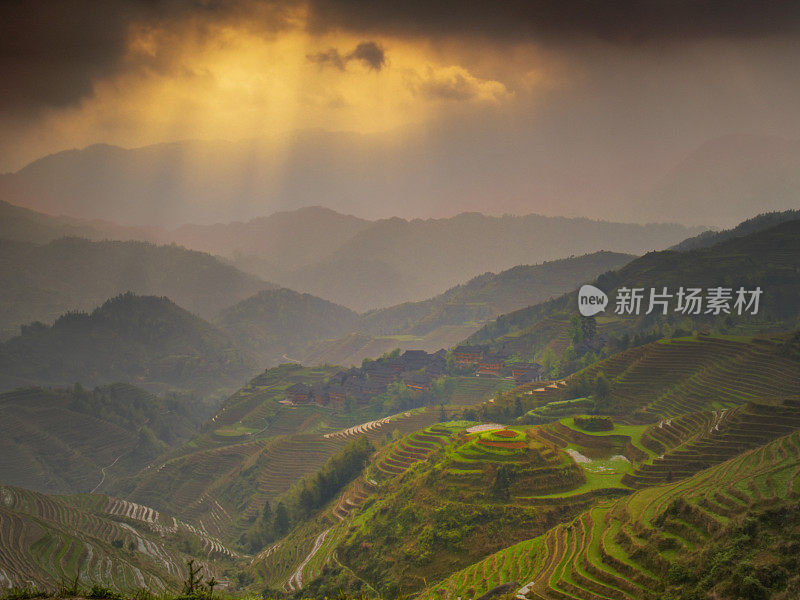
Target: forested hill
(769, 259)
(275, 322)
(140, 339)
(39, 283)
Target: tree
(588, 327)
(548, 360)
(281, 519)
(266, 512)
(502, 483)
(306, 500)
(602, 386)
(442, 414)
(602, 390)
(194, 580)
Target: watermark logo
(687, 301)
(591, 300)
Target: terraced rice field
(45, 539)
(404, 453)
(621, 550)
(674, 377)
(44, 446)
(693, 442)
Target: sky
(592, 101)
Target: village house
(491, 364)
(468, 355)
(418, 381)
(299, 393)
(524, 372)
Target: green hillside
(769, 259)
(76, 440)
(41, 282)
(730, 531)
(274, 323)
(257, 446)
(144, 340)
(442, 497)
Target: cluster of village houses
(416, 368)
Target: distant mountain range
(392, 261)
(720, 182)
(365, 265)
(41, 282)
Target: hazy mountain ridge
(445, 320)
(720, 182)
(39, 283)
(396, 260)
(768, 258)
(757, 223)
(728, 178)
(25, 225)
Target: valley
(486, 468)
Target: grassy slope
(71, 440)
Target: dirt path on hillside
(103, 471)
(296, 580)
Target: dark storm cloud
(52, 51)
(621, 21)
(370, 54)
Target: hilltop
(274, 323)
(41, 282)
(145, 340)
